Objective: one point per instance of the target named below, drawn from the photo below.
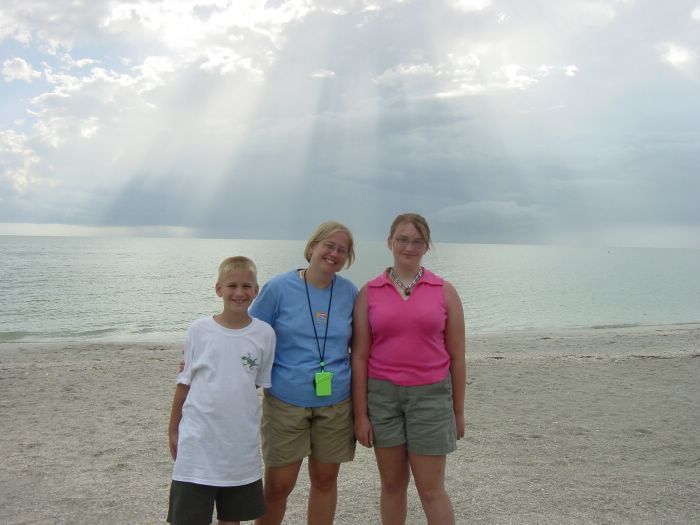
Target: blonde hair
(326, 230)
(417, 220)
(237, 263)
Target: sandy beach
(594, 426)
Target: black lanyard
(321, 352)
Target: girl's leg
(429, 475)
(394, 475)
(323, 494)
(278, 485)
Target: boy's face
(237, 288)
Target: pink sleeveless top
(408, 337)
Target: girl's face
(330, 254)
(407, 245)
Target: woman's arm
(361, 339)
(455, 343)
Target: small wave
(13, 337)
(31, 337)
(613, 326)
(89, 333)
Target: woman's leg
(429, 475)
(394, 475)
(323, 494)
(278, 485)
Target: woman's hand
(459, 420)
(363, 431)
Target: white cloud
(70, 62)
(511, 76)
(677, 55)
(16, 161)
(695, 14)
(470, 5)
(226, 60)
(18, 69)
(571, 71)
(323, 73)
(402, 71)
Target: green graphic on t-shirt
(249, 361)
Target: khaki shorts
(421, 417)
(290, 433)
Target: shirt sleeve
(265, 306)
(264, 375)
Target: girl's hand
(363, 432)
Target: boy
(214, 424)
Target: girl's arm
(455, 343)
(361, 339)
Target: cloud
(16, 161)
(677, 55)
(476, 113)
(571, 71)
(18, 69)
(323, 73)
(695, 14)
(470, 5)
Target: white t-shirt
(219, 436)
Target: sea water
(150, 289)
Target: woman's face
(407, 245)
(330, 254)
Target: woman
(409, 374)
(307, 411)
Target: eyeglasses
(405, 241)
(331, 246)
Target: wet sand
(589, 426)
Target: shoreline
(576, 426)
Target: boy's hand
(172, 439)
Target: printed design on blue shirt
(321, 317)
(250, 362)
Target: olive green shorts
(290, 433)
(421, 417)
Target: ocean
(150, 289)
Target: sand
(595, 426)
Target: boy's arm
(263, 378)
(181, 392)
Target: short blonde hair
(417, 220)
(237, 262)
(326, 230)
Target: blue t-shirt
(283, 304)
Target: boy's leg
(190, 503)
(279, 483)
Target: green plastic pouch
(323, 381)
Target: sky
(501, 121)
